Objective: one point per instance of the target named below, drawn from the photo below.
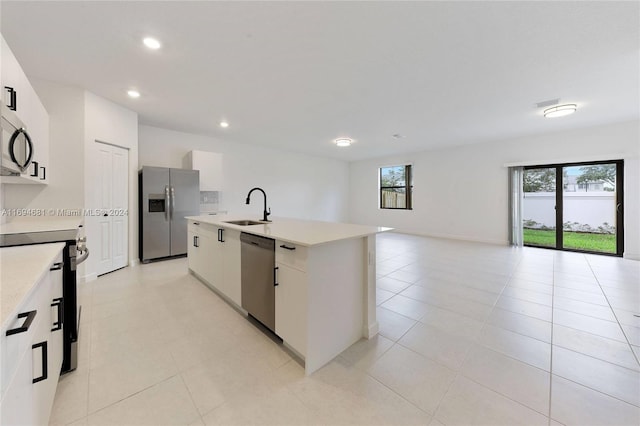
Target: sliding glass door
(576, 207)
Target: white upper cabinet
(29, 110)
(210, 166)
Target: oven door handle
(83, 257)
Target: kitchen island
(324, 278)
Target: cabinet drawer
(200, 228)
(292, 255)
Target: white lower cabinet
(229, 254)
(291, 295)
(32, 355)
(199, 253)
(291, 307)
(214, 255)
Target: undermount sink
(244, 222)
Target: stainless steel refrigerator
(166, 196)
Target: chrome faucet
(265, 213)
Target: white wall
(65, 170)
(110, 123)
(461, 192)
(297, 185)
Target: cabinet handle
(27, 323)
(35, 169)
(44, 173)
(56, 266)
(58, 302)
(195, 241)
(221, 235)
(42, 345)
(196, 223)
(13, 98)
(287, 247)
(275, 277)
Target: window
(395, 187)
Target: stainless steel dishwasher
(258, 259)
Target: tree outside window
(395, 187)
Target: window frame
(559, 206)
(408, 187)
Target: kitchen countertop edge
(281, 228)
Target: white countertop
(20, 225)
(20, 270)
(297, 231)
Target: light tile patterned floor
(469, 334)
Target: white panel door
(114, 201)
(104, 197)
(119, 205)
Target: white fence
(585, 208)
(393, 200)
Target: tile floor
(469, 334)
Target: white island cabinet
(214, 256)
(324, 278)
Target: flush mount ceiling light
(151, 43)
(342, 142)
(224, 124)
(560, 110)
(133, 94)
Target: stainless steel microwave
(16, 145)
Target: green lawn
(572, 240)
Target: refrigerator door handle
(173, 202)
(167, 202)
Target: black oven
(75, 252)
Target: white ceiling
(296, 75)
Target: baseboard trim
(631, 256)
(372, 330)
(452, 237)
(89, 277)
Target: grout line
(597, 390)
(193, 401)
(132, 395)
(637, 371)
(401, 396)
(614, 314)
(553, 293)
(484, 324)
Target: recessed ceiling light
(151, 43)
(133, 94)
(224, 124)
(342, 142)
(560, 110)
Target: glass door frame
(560, 199)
